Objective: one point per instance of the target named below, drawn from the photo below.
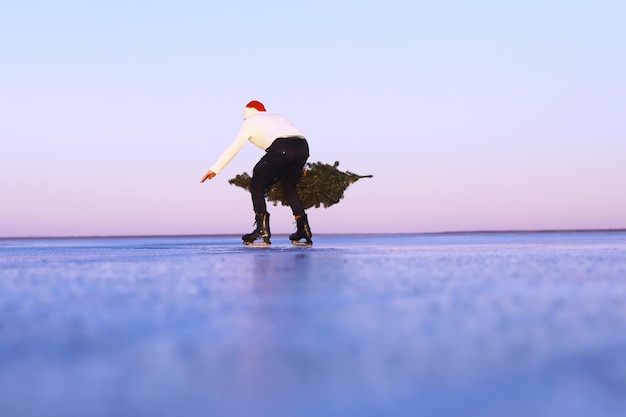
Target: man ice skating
(286, 151)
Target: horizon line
(451, 232)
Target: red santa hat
(256, 105)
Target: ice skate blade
(257, 244)
(298, 243)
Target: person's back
(264, 127)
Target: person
(286, 152)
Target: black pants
(284, 161)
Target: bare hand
(209, 175)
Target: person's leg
(289, 180)
(265, 173)
(262, 178)
(299, 152)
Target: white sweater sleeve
(232, 150)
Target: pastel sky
(471, 115)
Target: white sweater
(260, 128)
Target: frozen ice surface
(519, 324)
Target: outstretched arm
(209, 175)
(230, 152)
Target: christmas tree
(320, 185)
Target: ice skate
(260, 237)
(303, 232)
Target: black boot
(303, 232)
(262, 230)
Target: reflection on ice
(527, 324)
